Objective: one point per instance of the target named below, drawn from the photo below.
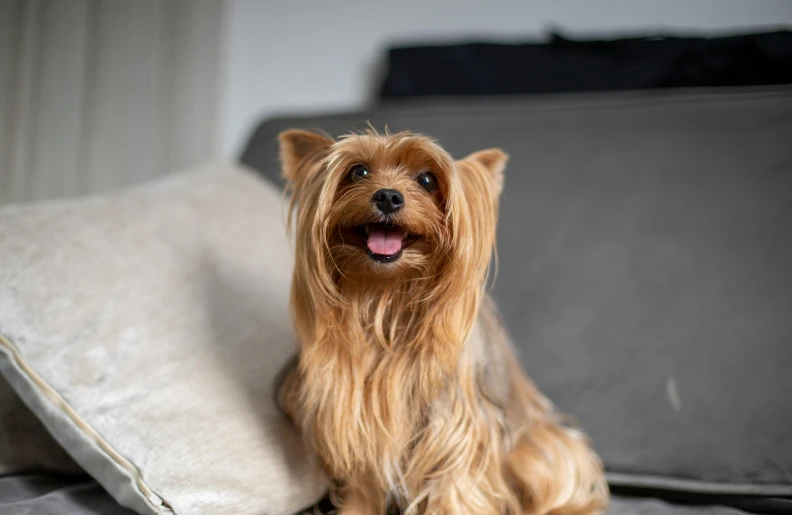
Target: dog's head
(393, 236)
(391, 206)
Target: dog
(406, 386)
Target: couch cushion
(46, 495)
(145, 329)
(40, 494)
(645, 247)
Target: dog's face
(390, 206)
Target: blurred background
(97, 94)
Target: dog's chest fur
(383, 417)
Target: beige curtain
(98, 94)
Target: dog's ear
(493, 161)
(296, 146)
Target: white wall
(317, 55)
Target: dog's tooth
(366, 228)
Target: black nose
(388, 201)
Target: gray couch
(645, 273)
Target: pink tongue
(385, 242)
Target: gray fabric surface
(645, 251)
(45, 495)
(638, 506)
(38, 494)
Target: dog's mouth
(384, 241)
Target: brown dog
(406, 386)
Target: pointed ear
(493, 160)
(295, 146)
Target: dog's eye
(428, 181)
(358, 172)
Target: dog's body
(406, 386)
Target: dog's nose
(388, 201)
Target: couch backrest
(645, 246)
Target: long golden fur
(406, 386)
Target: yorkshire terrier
(406, 386)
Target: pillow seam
(57, 399)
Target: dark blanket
(563, 65)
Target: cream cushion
(145, 329)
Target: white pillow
(145, 329)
